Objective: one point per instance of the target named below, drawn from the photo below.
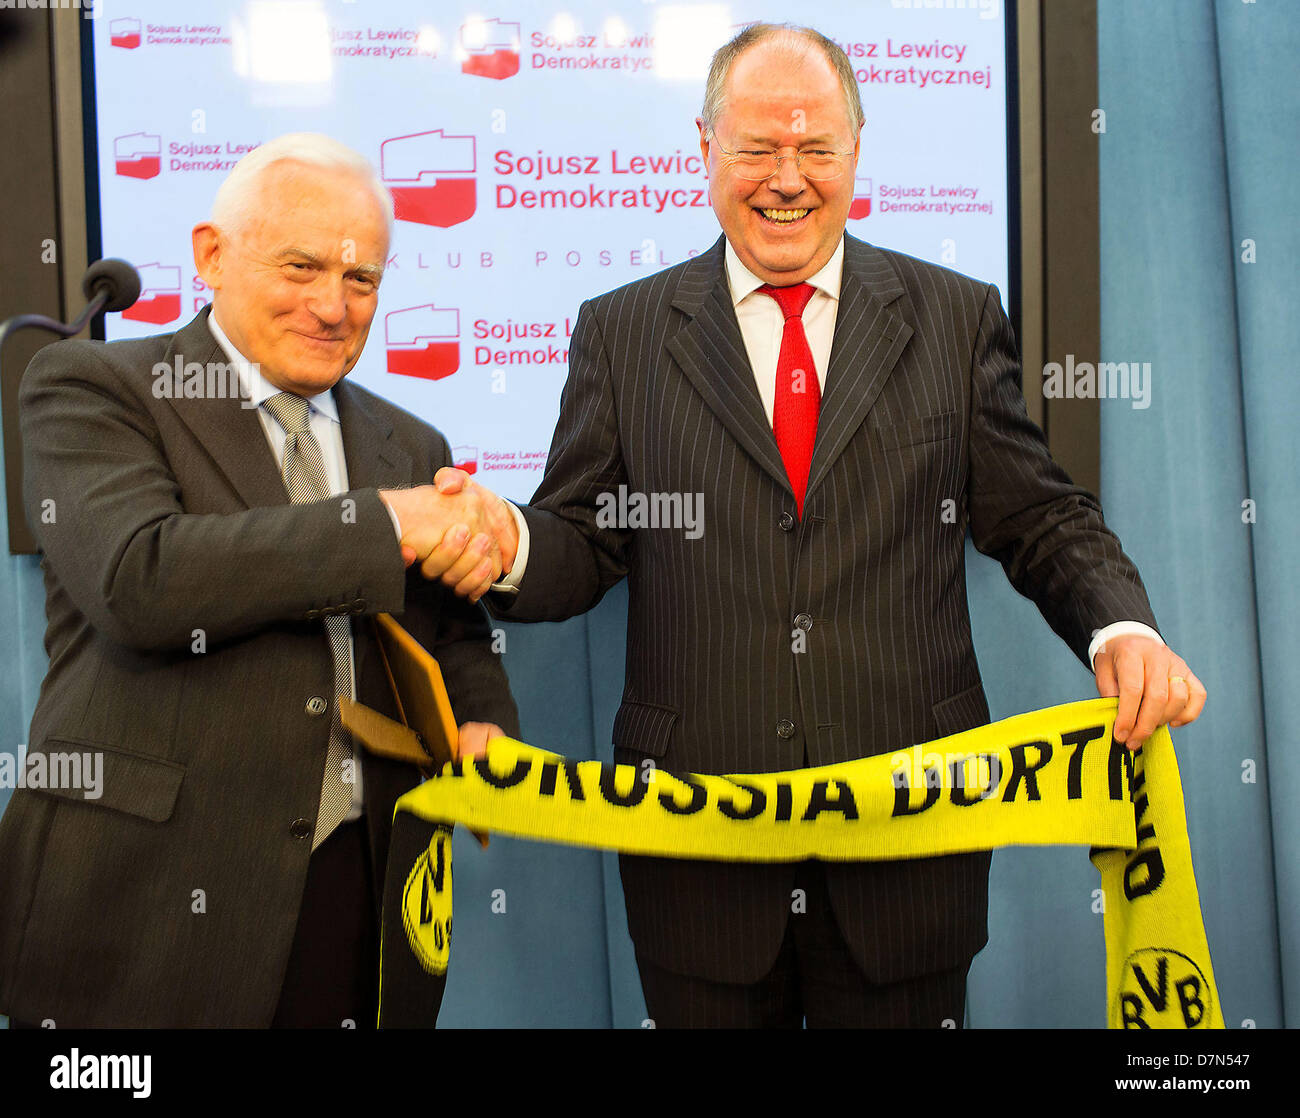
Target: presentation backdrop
(538, 154)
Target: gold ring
(1178, 679)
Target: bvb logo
(424, 905)
(1163, 989)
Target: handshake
(456, 530)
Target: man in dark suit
(220, 514)
(846, 414)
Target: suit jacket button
(786, 522)
(803, 621)
(785, 729)
(300, 828)
(317, 706)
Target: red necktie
(798, 394)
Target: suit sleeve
(1047, 533)
(574, 555)
(106, 509)
(463, 642)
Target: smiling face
(782, 99)
(297, 283)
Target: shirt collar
(256, 388)
(744, 283)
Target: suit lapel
(230, 433)
(373, 458)
(869, 339)
(711, 352)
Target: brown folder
(426, 735)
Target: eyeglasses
(758, 166)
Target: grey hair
(716, 87)
(235, 198)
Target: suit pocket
(923, 429)
(644, 727)
(962, 711)
(87, 772)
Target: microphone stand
(108, 284)
(64, 329)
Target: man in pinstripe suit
(823, 616)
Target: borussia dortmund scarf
(1054, 776)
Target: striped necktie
(305, 478)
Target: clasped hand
(457, 530)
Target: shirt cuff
(1119, 629)
(510, 583)
(392, 515)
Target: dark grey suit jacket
(166, 517)
(922, 406)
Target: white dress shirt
(762, 322)
(323, 420)
(761, 326)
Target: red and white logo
(489, 48)
(124, 33)
(431, 177)
(465, 458)
(423, 341)
(861, 205)
(138, 155)
(160, 295)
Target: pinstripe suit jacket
(922, 407)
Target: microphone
(115, 279)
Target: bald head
(796, 47)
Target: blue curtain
(22, 655)
(1199, 245)
(559, 954)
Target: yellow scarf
(1050, 777)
